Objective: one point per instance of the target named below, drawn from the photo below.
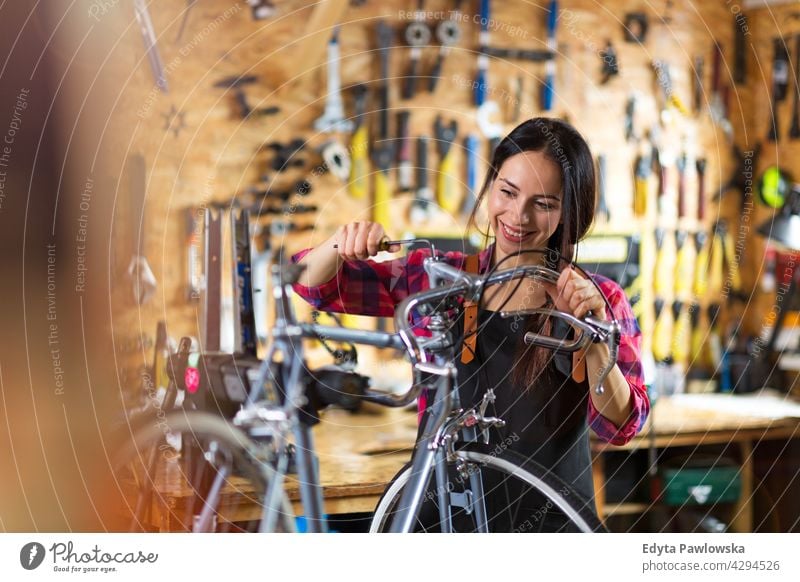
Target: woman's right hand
(360, 240)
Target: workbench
(680, 422)
(360, 453)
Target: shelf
(625, 508)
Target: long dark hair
(562, 144)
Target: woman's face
(525, 203)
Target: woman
(540, 192)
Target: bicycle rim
(193, 471)
(520, 496)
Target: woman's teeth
(514, 233)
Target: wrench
(150, 46)
(333, 120)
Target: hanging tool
(669, 99)
(682, 169)
(700, 279)
(237, 84)
(150, 44)
(665, 263)
(245, 324)
(794, 130)
(359, 146)
(636, 24)
(684, 265)
(716, 261)
(780, 84)
(662, 332)
(483, 57)
(336, 159)
(520, 54)
(333, 119)
(383, 148)
(642, 170)
(714, 350)
(549, 90)
(631, 133)
(700, 167)
(194, 276)
(698, 87)
(491, 128)
(740, 179)
(471, 149)
(190, 4)
(701, 265)
(139, 272)
(261, 9)
(287, 155)
(664, 161)
(681, 343)
(740, 31)
(418, 35)
(421, 205)
(697, 343)
(448, 33)
(603, 212)
(212, 290)
(610, 62)
(773, 187)
(717, 109)
(732, 261)
(405, 172)
(447, 183)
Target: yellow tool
(642, 171)
(662, 332)
(715, 264)
(698, 347)
(664, 268)
(700, 265)
(681, 336)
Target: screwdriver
(386, 243)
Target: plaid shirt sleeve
(629, 362)
(371, 287)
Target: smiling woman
(540, 196)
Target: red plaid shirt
(375, 288)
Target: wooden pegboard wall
(217, 155)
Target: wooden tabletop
(693, 419)
(359, 454)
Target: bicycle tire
(572, 510)
(243, 478)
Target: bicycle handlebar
(446, 281)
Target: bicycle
(249, 455)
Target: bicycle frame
(432, 364)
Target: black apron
(545, 422)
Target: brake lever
(592, 330)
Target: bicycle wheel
(193, 471)
(520, 496)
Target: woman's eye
(508, 193)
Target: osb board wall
(217, 155)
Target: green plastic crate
(698, 482)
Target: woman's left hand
(576, 295)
